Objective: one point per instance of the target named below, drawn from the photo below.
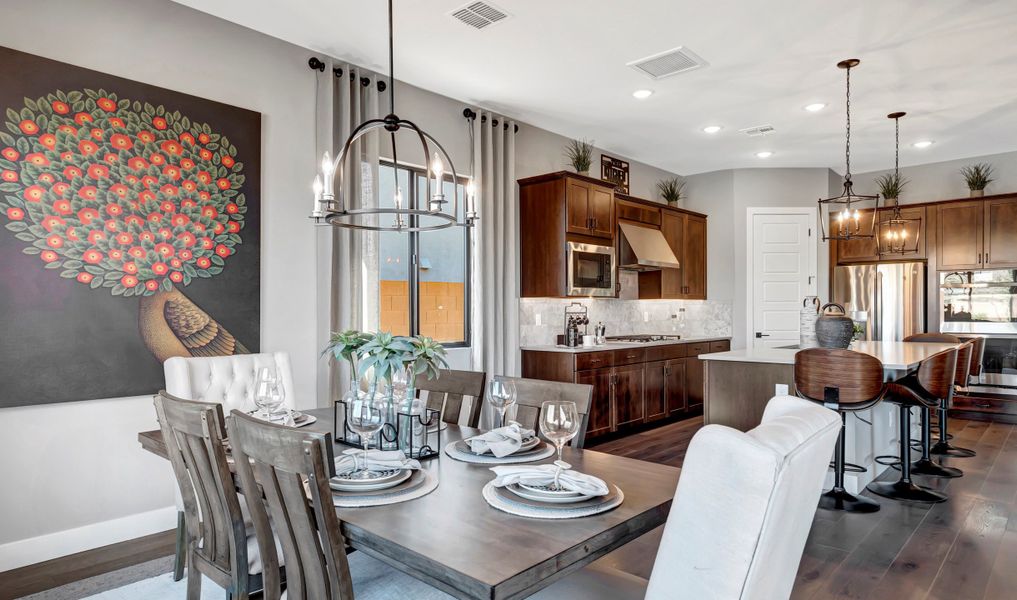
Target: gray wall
(942, 180)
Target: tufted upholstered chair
(741, 514)
(226, 380)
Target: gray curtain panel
(495, 269)
(351, 287)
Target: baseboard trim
(21, 553)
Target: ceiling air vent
(758, 130)
(671, 62)
(479, 15)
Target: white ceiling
(560, 65)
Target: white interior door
(783, 272)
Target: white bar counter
(740, 382)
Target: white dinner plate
(546, 491)
(388, 479)
(530, 494)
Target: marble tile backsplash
(542, 319)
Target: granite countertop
(623, 345)
(898, 356)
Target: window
(424, 283)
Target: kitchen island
(739, 383)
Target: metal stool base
(948, 449)
(839, 499)
(905, 490)
(925, 466)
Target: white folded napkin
(502, 441)
(588, 485)
(377, 460)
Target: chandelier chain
(847, 145)
(896, 147)
(391, 62)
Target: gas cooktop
(642, 338)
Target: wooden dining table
(453, 540)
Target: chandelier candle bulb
(316, 187)
(471, 200)
(327, 171)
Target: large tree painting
(131, 231)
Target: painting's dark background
(61, 341)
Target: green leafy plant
(891, 185)
(346, 345)
(978, 175)
(580, 154)
(386, 354)
(858, 332)
(427, 356)
(671, 189)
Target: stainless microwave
(591, 270)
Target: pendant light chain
(391, 62)
(896, 147)
(847, 145)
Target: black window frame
(413, 254)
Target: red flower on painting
(159, 123)
(46, 178)
(130, 267)
(115, 254)
(72, 172)
(115, 122)
(84, 277)
(123, 238)
(227, 161)
(106, 104)
(151, 285)
(52, 222)
(169, 189)
(62, 207)
(171, 147)
(87, 147)
(120, 189)
(98, 171)
(146, 236)
(171, 172)
(49, 256)
(8, 175)
(15, 214)
(28, 127)
(149, 181)
(128, 281)
(146, 136)
(34, 193)
(92, 256)
(160, 268)
(176, 276)
(111, 158)
(96, 134)
(134, 220)
(137, 252)
(165, 250)
(55, 241)
(95, 236)
(204, 263)
(157, 159)
(87, 215)
(223, 251)
(48, 140)
(10, 153)
(209, 211)
(179, 220)
(89, 192)
(114, 210)
(233, 227)
(137, 163)
(121, 141)
(186, 164)
(232, 208)
(69, 130)
(72, 234)
(188, 240)
(112, 225)
(204, 138)
(60, 188)
(82, 117)
(38, 159)
(205, 154)
(60, 108)
(186, 255)
(186, 137)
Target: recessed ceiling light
(712, 128)
(922, 144)
(815, 107)
(764, 154)
(642, 94)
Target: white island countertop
(897, 356)
(623, 345)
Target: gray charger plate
(509, 496)
(462, 446)
(416, 479)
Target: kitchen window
(424, 285)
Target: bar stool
(926, 388)
(925, 465)
(844, 381)
(977, 354)
(943, 447)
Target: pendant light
(332, 208)
(844, 211)
(897, 236)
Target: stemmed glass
(501, 393)
(366, 417)
(559, 422)
(263, 392)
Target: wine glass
(365, 417)
(559, 422)
(276, 397)
(501, 395)
(263, 391)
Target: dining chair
(531, 393)
(217, 541)
(446, 393)
(293, 468)
(740, 517)
(226, 380)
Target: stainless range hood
(644, 249)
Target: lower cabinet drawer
(983, 404)
(655, 353)
(594, 360)
(629, 356)
(697, 348)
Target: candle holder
(417, 435)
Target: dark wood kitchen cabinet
(695, 382)
(628, 395)
(665, 389)
(601, 405)
(959, 231)
(589, 207)
(686, 235)
(694, 254)
(863, 249)
(1000, 233)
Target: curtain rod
(316, 64)
(471, 114)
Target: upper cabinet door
(1000, 233)
(577, 206)
(695, 258)
(601, 212)
(672, 226)
(858, 249)
(959, 228)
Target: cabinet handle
(986, 258)
(979, 258)
(594, 222)
(631, 355)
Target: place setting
(366, 477)
(269, 396)
(507, 444)
(553, 491)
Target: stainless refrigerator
(888, 299)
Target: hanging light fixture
(847, 224)
(896, 232)
(332, 208)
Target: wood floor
(962, 549)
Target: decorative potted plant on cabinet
(671, 189)
(891, 186)
(977, 176)
(580, 155)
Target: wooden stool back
(935, 338)
(851, 380)
(964, 354)
(936, 373)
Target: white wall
(942, 180)
(82, 480)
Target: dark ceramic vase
(834, 330)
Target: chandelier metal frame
(896, 236)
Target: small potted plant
(671, 189)
(891, 185)
(977, 176)
(580, 155)
(346, 345)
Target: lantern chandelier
(331, 207)
(896, 239)
(847, 221)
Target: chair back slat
(853, 378)
(447, 393)
(933, 338)
(194, 434)
(963, 363)
(531, 393)
(293, 468)
(936, 373)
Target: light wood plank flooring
(962, 549)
